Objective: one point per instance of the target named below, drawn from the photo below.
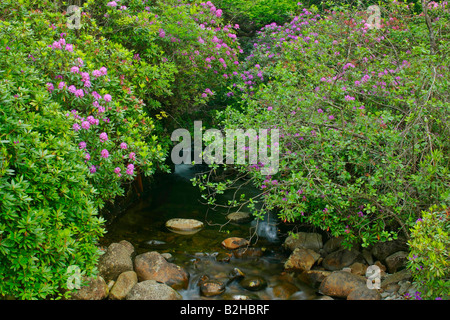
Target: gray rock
(340, 259)
(396, 261)
(382, 250)
(240, 217)
(305, 240)
(364, 293)
(152, 290)
(401, 275)
(116, 260)
(95, 289)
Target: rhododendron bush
(363, 116)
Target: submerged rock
(240, 217)
(253, 283)
(184, 226)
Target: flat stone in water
(184, 226)
(240, 217)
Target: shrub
(429, 254)
(363, 144)
(48, 220)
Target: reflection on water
(174, 197)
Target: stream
(174, 196)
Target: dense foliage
(363, 115)
(429, 255)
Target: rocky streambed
(305, 268)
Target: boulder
(95, 289)
(234, 243)
(333, 244)
(358, 268)
(340, 259)
(184, 226)
(240, 217)
(153, 266)
(382, 250)
(340, 284)
(401, 275)
(364, 293)
(116, 260)
(396, 261)
(129, 247)
(313, 277)
(152, 290)
(301, 259)
(305, 240)
(125, 282)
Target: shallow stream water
(174, 196)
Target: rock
(210, 288)
(396, 261)
(223, 257)
(240, 217)
(340, 284)
(301, 259)
(253, 283)
(382, 250)
(402, 275)
(305, 240)
(358, 268)
(340, 259)
(313, 277)
(324, 298)
(234, 243)
(404, 286)
(248, 252)
(153, 266)
(364, 293)
(129, 247)
(184, 226)
(152, 290)
(392, 287)
(115, 261)
(367, 256)
(284, 290)
(167, 256)
(236, 273)
(125, 282)
(333, 244)
(95, 289)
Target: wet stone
(253, 283)
(184, 226)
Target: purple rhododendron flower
(105, 153)
(107, 97)
(103, 136)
